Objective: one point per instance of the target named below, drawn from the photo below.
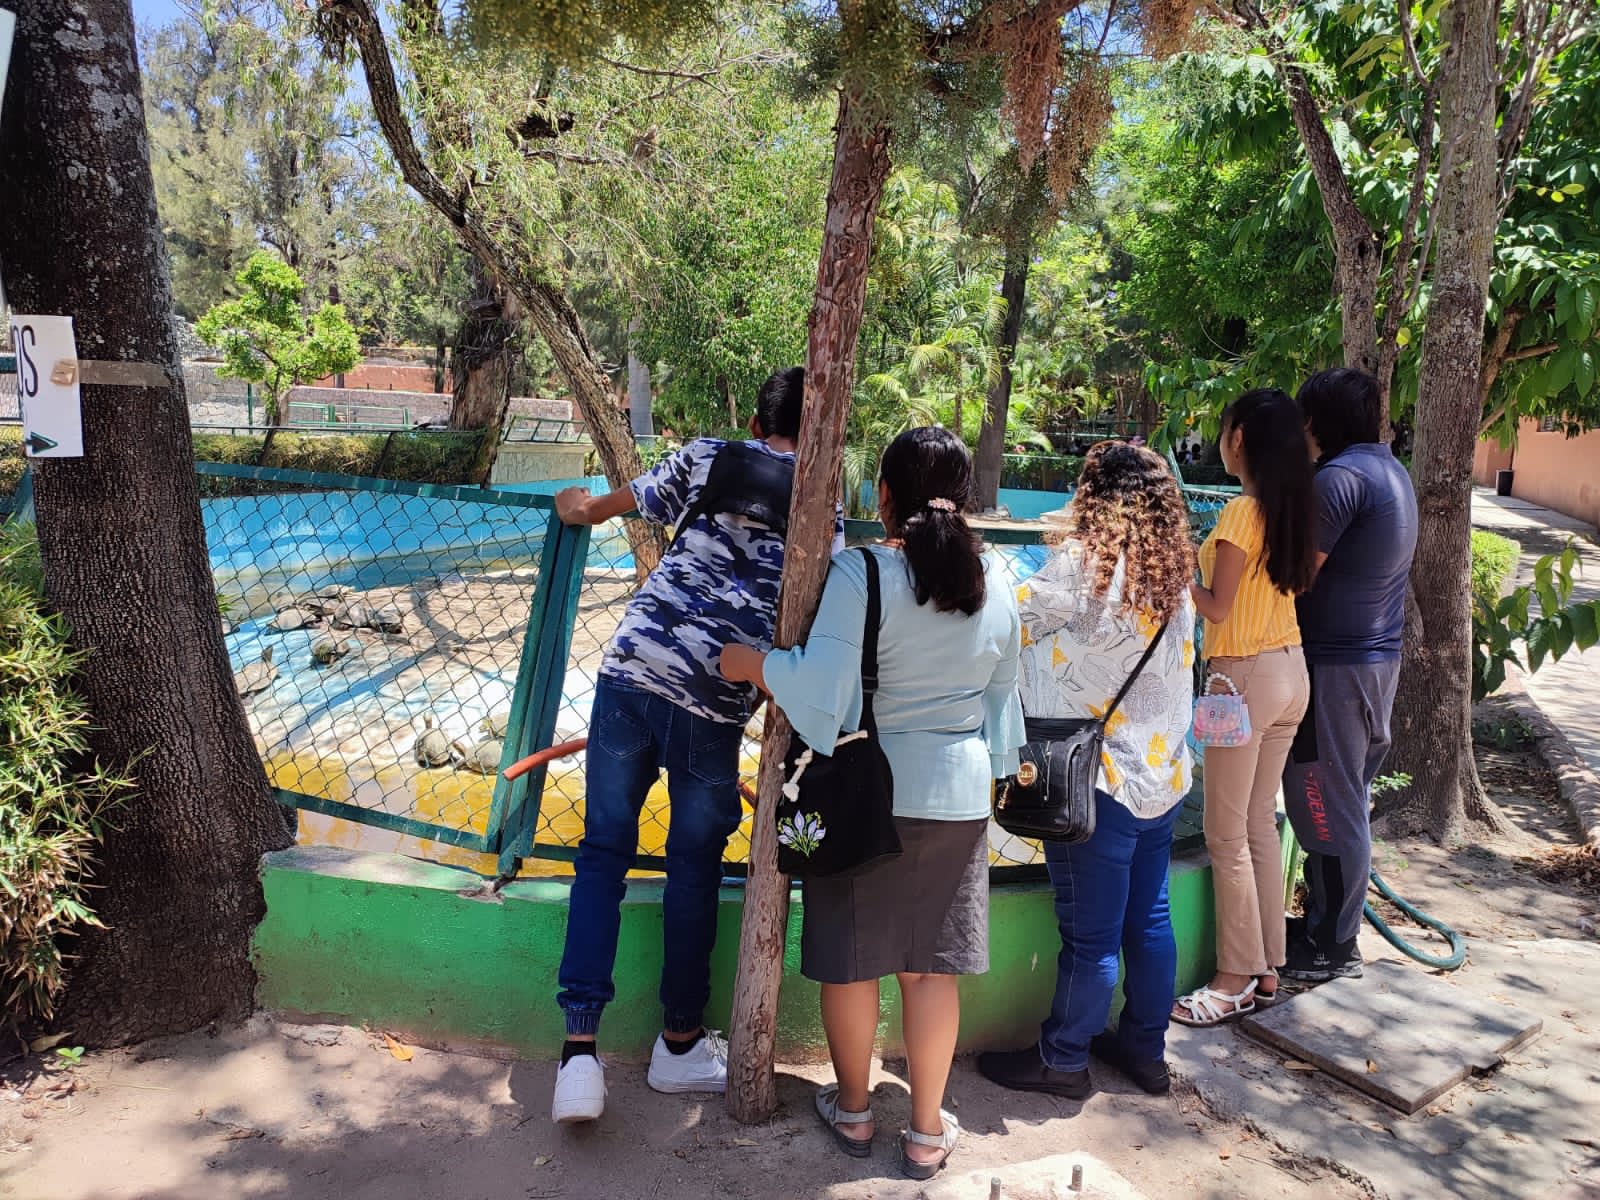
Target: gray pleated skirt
(926, 911)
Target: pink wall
(1551, 469)
(385, 377)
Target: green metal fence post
(514, 811)
(249, 407)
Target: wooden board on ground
(1399, 1034)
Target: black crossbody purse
(836, 813)
(1051, 797)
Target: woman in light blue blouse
(950, 723)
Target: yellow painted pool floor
(461, 800)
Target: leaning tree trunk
(860, 167)
(992, 437)
(124, 549)
(1358, 256)
(1433, 713)
(546, 306)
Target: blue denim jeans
(633, 736)
(1111, 895)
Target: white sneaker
(703, 1069)
(580, 1090)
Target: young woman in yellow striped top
(1258, 558)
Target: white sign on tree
(47, 386)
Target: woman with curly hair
(1120, 574)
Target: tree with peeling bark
(124, 549)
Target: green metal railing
(525, 428)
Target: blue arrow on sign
(37, 443)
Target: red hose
(540, 757)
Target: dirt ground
(318, 1111)
(303, 1112)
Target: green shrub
(415, 456)
(53, 797)
(12, 460)
(1493, 559)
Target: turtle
(482, 757)
(290, 619)
(495, 724)
(328, 649)
(433, 748)
(257, 675)
(334, 591)
(385, 620)
(352, 614)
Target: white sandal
(1205, 1006)
(946, 1141)
(833, 1117)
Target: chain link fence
(380, 635)
(399, 646)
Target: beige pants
(1241, 805)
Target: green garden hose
(1458, 948)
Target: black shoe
(1149, 1073)
(1024, 1071)
(1310, 963)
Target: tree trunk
(640, 418)
(124, 548)
(1433, 726)
(485, 353)
(992, 437)
(1358, 255)
(860, 167)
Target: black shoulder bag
(836, 814)
(1051, 797)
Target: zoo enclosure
(424, 638)
(470, 608)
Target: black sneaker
(1149, 1073)
(1310, 963)
(1024, 1071)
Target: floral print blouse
(1078, 649)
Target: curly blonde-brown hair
(1129, 508)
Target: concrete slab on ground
(1398, 1035)
(1526, 1130)
(1042, 1179)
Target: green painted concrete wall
(358, 937)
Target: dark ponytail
(929, 474)
(1279, 463)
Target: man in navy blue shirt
(1351, 623)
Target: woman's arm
(1216, 602)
